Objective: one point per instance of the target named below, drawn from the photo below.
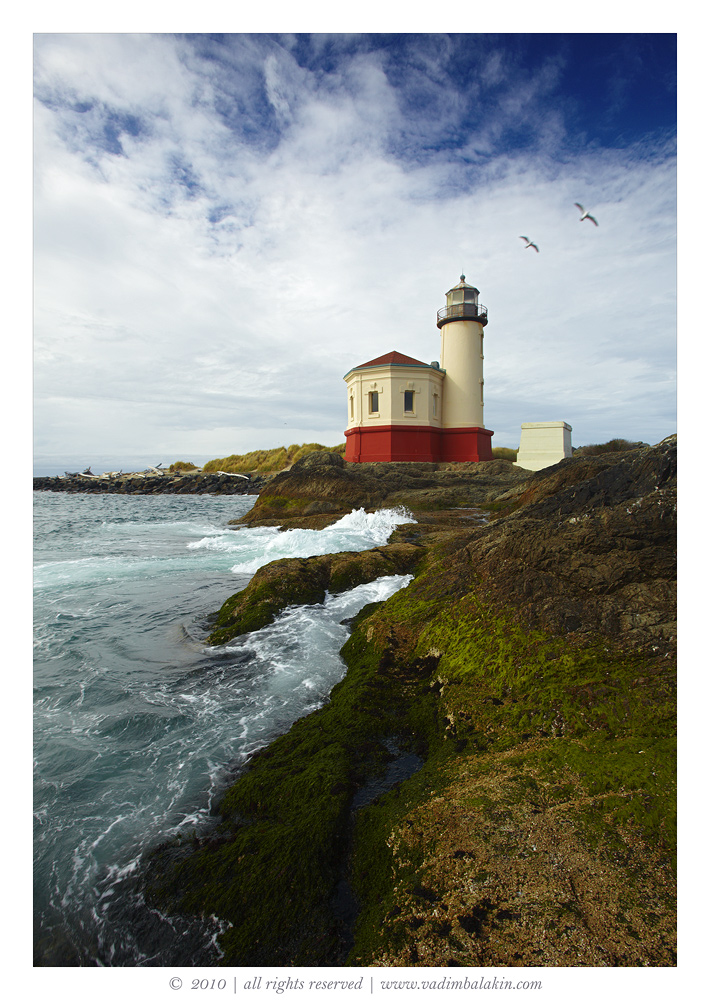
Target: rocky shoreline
(530, 666)
(146, 484)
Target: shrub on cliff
(183, 467)
(266, 460)
(307, 449)
(616, 444)
(253, 461)
(507, 454)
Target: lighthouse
(461, 321)
(404, 410)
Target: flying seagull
(585, 215)
(529, 243)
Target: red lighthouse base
(396, 443)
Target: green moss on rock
(273, 867)
(286, 582)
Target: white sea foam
(255, 547)
(295, 661)
(242, 551)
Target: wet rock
(305, 581)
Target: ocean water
(139, 726)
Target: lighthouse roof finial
(462, 277)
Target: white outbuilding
(543, 444)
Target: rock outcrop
(323, 485)
(588, 550)
(305, 581)
(530, 665)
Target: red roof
(393, 358)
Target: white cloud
(262, 231)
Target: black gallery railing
(464, 310)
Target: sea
(139, 725)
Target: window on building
(352, 408)
(435, 405)
(409, 401)
(374, 402)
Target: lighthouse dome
(463, 292)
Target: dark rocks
(596, 556)
(586, 484)
(588, 549)
(151, 484)
(319, 460)
(321, 507)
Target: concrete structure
(404, 410)
(543, 444)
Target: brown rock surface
(508, 881)
(324, 479)
(591, 549)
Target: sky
(225, 224)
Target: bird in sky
(585, 215)
(529, 243)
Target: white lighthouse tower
(461, 322)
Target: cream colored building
(393, 389)
(404, 410)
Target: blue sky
(226, 224)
